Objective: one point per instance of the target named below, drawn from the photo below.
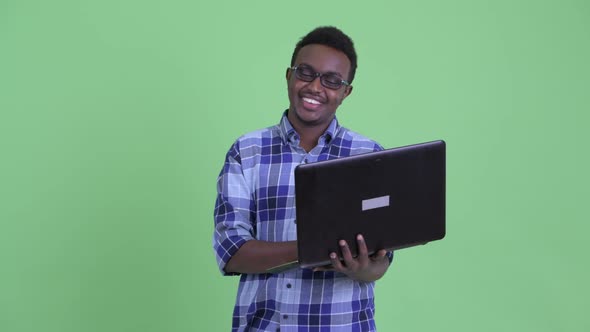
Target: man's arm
(256, 256)
(234, 210)
(234, 238)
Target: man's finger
(363, 255)
(346, 254)
(336, 264)
(380, 255)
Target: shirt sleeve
(234, 213)
(389, 255)
(377, 147)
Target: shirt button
(285, 316)
(288, 285)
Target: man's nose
(316, 84)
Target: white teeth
(311, 101)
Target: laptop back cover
(394, 197)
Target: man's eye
(307, 72)
(332, 79)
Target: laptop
(394, 197)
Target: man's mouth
(311, 101)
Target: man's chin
(308, 117)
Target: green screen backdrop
(115, 117)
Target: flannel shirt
(256, 200)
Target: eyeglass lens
(308, 74)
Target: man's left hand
(363, 267)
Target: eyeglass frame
(319, 75)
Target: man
(255, 227)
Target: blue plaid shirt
(256, 200)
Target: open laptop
(394, 197)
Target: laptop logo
(375, 203)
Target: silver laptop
(394, 197)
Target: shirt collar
(290, 135)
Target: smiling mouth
(311, 101)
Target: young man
(255, 227)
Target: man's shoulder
(356, 140)
(353, 135)
(251, 144)
(257, 136)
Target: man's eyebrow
(333, 73)
(326, 73)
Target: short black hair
(332, 37)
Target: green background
(115, 117)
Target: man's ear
(347, 91)
(288, 73)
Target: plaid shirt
(256, 200)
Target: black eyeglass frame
(320, 75)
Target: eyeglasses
(308, 74)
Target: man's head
(322, 67)
(331, 37)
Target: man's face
(311, 103)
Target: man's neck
(308, 135)
(308, 143)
